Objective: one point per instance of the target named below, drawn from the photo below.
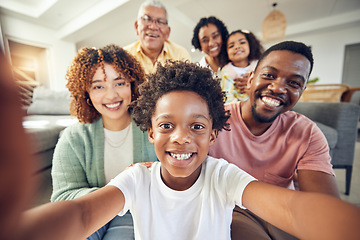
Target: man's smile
(152, 35)
(271, 101)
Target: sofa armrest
(341, 116)
(346, 96)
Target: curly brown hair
(179, 75)
(83, 68)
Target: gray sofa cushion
(330, 134)
(43, 139)
(44, 130)
(49, 102)
(343, 117)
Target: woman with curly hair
(102, 83)
(209, 37)
(243, 51)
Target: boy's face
(181, 133)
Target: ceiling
(99, 22)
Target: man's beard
(261, 119)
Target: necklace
(116, 139)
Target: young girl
(243, 51)
(209, 37)
(189, 195)
(102, 83)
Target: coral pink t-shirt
(292, 142)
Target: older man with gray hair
(153, 30)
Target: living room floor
(44, 190)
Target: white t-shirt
(118, 151)
(204, 211)
(240, 71)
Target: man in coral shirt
(272, 143)
(153, 31)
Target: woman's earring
(89, 102)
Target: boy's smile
(181, 133)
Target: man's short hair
(152, 3)
(292, 46)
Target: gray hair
(152, 3)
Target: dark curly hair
(83, 68)
(195, 41)
(179, 75)
(256, 49)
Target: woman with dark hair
(209, 36)
(102, 83)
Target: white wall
(328, 47)
(60, 53)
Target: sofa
(339, 123)
(46, 117)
